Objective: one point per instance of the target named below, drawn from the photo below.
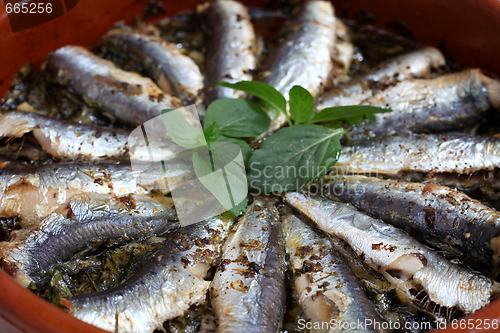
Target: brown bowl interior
(468, 28)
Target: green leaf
(212, 179)
(246, 151)
(212, 133)
(260, 90)
(301, 105)
(222, 172)
(237, 118)
(292, 157)
(91, 103)
(352, 113)
(181, 131)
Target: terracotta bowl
(468, 28)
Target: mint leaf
(352, 113)
(293, 156)
(222, 172)
(237, 118)
(260, 90)
(181, 131)
(301, 105)
(246, 151)
(212, 133)
(212, 179)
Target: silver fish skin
(342, 55)
(490, 179)
(165, 287)
(84, 223)
(421, 276)
(175, 73)
(248, 290)
(427, 211)
(65, 140)
(449, 102)
(231, 56)
(32, 192)
(131, 98)
(304, 54)
(430, 153)
(328, 292)
(410, 65)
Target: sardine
(248, 290)
(449, 102)
(421, 276)
(32, 192)
(393, 156)
(304, 54)
(342, 55)
(175, 73)
(328, 293)
(231, 56)
(84, 223)
(164, 288)
(64, 139)
(429, 212)
(131, 98)
(407, 66)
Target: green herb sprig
(302, 152)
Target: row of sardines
(357, 232)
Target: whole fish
(410, 65)
(428, 211)
(328, 293)
(449, 102)
(132, 99)
(84, 223)
(303, 56)
(175, 73)
(31, 192)
(164, 288)
(231, 56)
(431, 153)
(65, 140)
(248, 290)
(421, 276)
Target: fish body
(421, 276)
(431, 153)
(231, 56)
(427, 211)
(84, 223)
(31, 192)
(327, 290)
(132, 99)
(175, 73)
(342, 55)
(407, 66)
(164, 288)
(446, 103)
(65, 140)
(303, 56)
(248, 290)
